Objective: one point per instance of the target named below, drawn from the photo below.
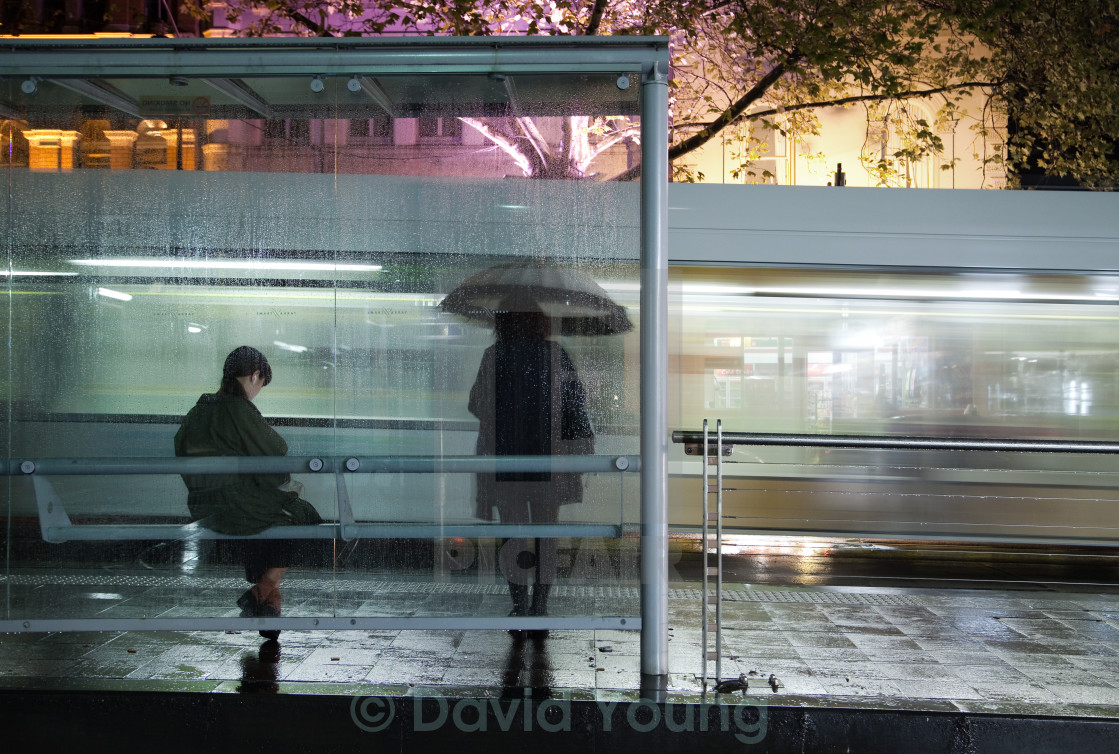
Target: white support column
(654, 372)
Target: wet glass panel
(146, 269)
(440, 197)
(13, 152)
(322, 221)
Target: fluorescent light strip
(228, 264)
(110, 293)
(34, 273)
(880, 293)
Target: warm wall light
(228, 264)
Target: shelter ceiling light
(110, 293)
(230, 264)
(354, 84)
(30, 85)
(178, 81)
(317, 84)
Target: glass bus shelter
(170, 200)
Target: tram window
(790, 351)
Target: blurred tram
(792, 310)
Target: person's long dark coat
(529, 401)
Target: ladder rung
(712, 488)
(712, 599)
(711, 655)
(712, 571)
(712, 516)
(712, 627)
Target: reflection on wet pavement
(1025, 652)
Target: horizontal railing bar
(453, 622)
(878, 442)
(307, 464)
(369, 530)
(497, 531)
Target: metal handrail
(890, 442)
(315, 464)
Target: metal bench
(56, 525)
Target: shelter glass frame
(162, 192)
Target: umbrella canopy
(578, 303)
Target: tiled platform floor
(1013, 652)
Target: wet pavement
(923, 639)
(1010, 651)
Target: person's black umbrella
(565, 295)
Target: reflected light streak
(229, 264)
(801, 547)
(37, 273)
(110, 293)
(289, 347)
(877, 292)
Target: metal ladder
(713, 493)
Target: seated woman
(226, 423)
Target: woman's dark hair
(242, 362)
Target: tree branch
(732, 113)
(506, 144)
(913, 94)
(602, 146)
(710, 130)
(596, 18)
(727, 117)
(319, 30)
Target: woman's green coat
(225, 425)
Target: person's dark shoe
(537, 634)
(248, 604)
(271, 635)
(252, 607)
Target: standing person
(529, 401)
(226, 423)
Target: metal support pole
(654, 373)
